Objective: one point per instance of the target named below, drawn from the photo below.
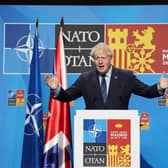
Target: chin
(102, 71)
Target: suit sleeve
(72, 92)
(142, 89)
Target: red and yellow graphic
(141, 48)
(118, 143)
(19, 97)
(144, 121)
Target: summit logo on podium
(106, 143)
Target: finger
(55, 78)
(47, 78)
(163, 74)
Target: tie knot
(103, 75)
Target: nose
(100, 60)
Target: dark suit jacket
(123, 83)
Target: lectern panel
(106, 138)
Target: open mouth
(101, 67)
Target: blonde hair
(103, 47)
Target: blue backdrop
(14, 73)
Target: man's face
(102, 61)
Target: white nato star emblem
(24, 48)
(32, 111)
(95, 131)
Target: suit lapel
(96, 86)
(114, 85)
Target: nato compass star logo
(95, 131)
(24, 48)
(19, 45)
(33, 112)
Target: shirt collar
(108, 73)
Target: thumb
(46, 77)
(163, 74)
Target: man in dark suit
(106, 87)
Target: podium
(107, 138)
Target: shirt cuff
(55, 92)
(160, 90)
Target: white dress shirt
(107, 78)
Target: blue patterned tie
(103, 87)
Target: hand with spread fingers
(163, 83)
(52, 81)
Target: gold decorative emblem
(136, 56)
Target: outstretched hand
(51, 81)
(163, 83)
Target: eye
(96, 58)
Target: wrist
(159, 87)
(56, 87)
